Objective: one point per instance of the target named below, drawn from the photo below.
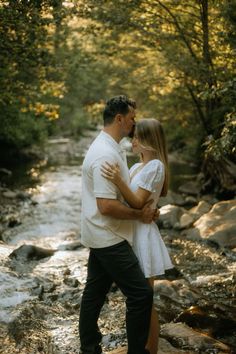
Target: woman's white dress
(148, 245)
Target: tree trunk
(220, 175)
(209, 78)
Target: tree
(190, 57)
(30, 85)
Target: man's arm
(117, 210)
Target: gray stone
(30, 252)
(6, 172)
(23, 195)
(179, 291)
(9, 194)
(186, 220)
(171, 198)
(192, 188)
(190, 200)
(218, 225)
(170, 215)
(165, 347)
(202, 208)
(72, 282)
(183, 336)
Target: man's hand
(148, 214)
(156, 215)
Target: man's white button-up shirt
(98, 230)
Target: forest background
(61, 60)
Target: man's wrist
(137, 214)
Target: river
(40, 295)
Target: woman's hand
(111, 172)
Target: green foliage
(29, 81)
(223, 143)
(63, 59)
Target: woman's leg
(153, 337)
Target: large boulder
(202, 208)
(189, 217)
(177, 291)
(171, 198)
(218, 225)
(172, 297)
(31, 252)
(186, 220)
(170, 215)
(181, 336)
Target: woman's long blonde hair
(151, 136)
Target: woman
(149, 180)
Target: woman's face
(136, 144)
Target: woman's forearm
(131, 198)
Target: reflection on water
(28, 174)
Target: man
(107, 231)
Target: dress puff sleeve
(133, 168)
(152, 175)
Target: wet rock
(186, 220)
(5, 172)
(192, 234)
(181, 336)
(190, 201)
(211, 199)
(171, 297)
(216, 278)
(23, 195)
(67, 271)
(192, 188)
(38, 291)
(218, 225)
(9, 194)
(171, 198)
(13, 221)
(165, 347)
(1, 231)
(49, 287)
(29, 330)
(177, 290)
(208, 320)
(52, 297)
(30, 252)
(71, 246)
(72, 282)
(170, 215)
(203, 207)
(122, 350)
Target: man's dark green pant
(117, 264)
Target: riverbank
(43, 267)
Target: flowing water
(51, 219)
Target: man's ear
(118, 118)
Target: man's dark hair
(118, 104)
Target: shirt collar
(112, 141)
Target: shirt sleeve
(132, 168)
(151, 175)
(102, 187)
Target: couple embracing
(118, 225)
